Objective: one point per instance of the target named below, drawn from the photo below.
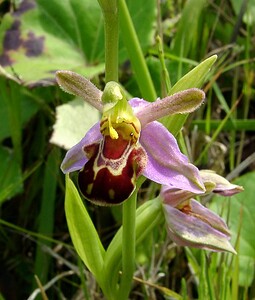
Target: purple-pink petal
(188, 230)
(182, 102)
(75, 158)
(221, 185)
(138, 104)
(210, 217)
(166, 164)
(173, 196)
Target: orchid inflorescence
(128, 143)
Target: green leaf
(235, 124)
(11, 100)
(27, 109)
(43, 36)
(46, 216)
(196, 77)
(241, 216)
(83, 233)
(133, 41)
(73, 120)
(11, 182)
(143, 15)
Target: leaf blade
(83, 233)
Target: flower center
(118, 116)
(109, 177)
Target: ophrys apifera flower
(128, 142)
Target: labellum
(114, 163)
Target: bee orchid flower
(189, 223)
(128, 142)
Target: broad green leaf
(73, 120)
(43, 36)
(241, 216)
(82, 230)
(11, 181)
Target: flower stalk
(111, 27)
(110, 11)
(128, 245)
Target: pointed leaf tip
(195, 77)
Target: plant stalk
(128, 246)
(111, 27)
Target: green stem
(128, 246)
(166, 85)
(111, 27)
(148, 216)
(135, 53)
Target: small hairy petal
(182, 102)
(221, 185)
(75, 158)
(188, 230)
(166, 164)
(77, 85)
(212, 182)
